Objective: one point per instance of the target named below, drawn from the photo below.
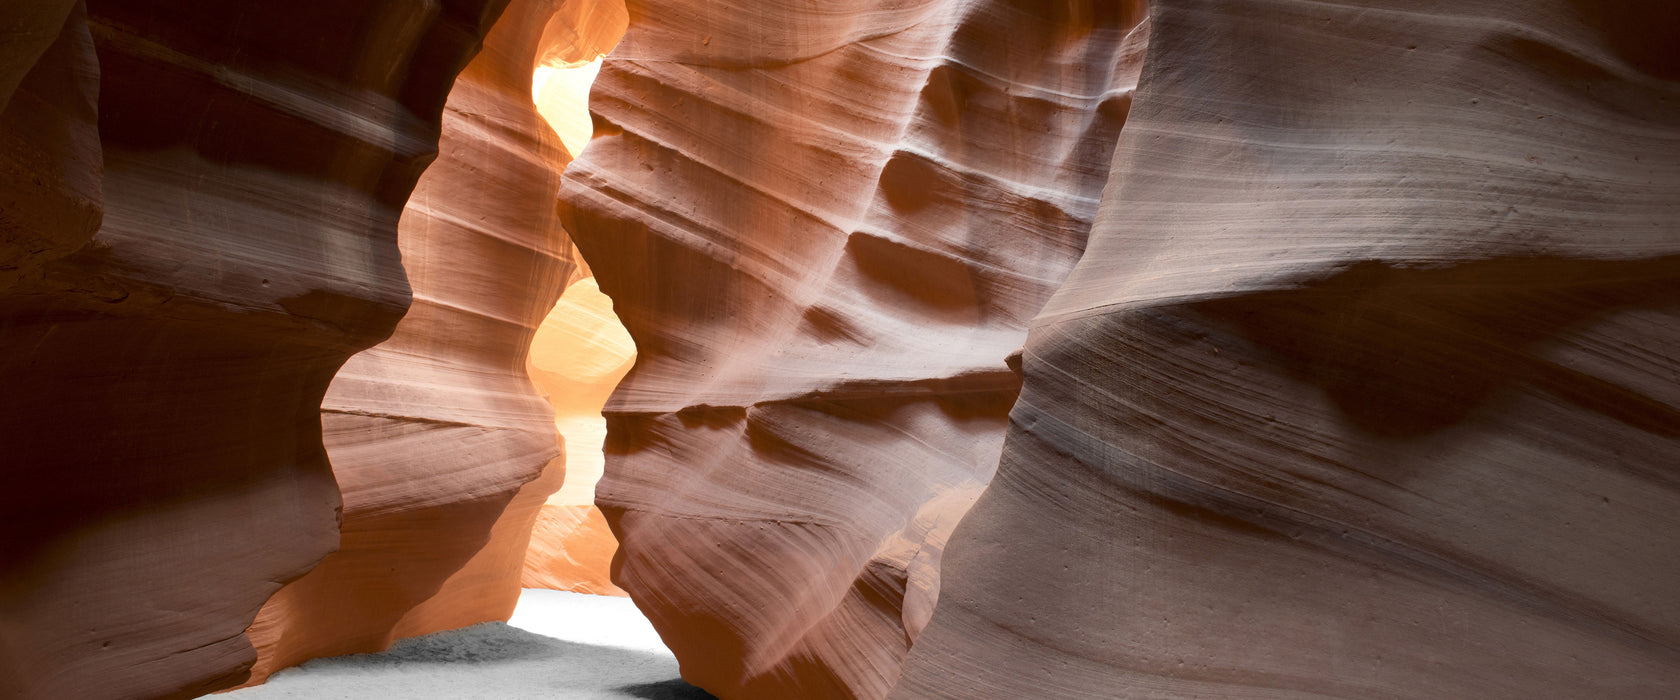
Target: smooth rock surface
(1366, 386)
(826, 229)
(163, 469)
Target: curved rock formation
(163, 378)
(1366, 384)
(826, 230)
(573, 42)
(435, 433)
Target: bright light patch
(562, 96)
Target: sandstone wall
(826, 229)
(50, 159)
(435, 433)
(163, 471)
(1366, 385)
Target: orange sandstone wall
(826, 229)
(436, 435)
(163, 471)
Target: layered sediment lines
(1366, 384)
(826, 232)
(436, 435)
(163, 376)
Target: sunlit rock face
(579, 355)
(826, 229)
(435, 433)
(1366, 384)
(163, 470)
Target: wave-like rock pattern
(163, 470)
(1366, 385)
(435, 433)
(826, 229)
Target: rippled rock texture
(436, 435)
(1366, 385)
(1351, 369)
(163, 376)
(826, 230)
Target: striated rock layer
(435, 433)
(162, 469)
(1366, 386)
(826, 230)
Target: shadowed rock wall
(434, 433)
(1366, 386)
(826, 229)
(50, 160)
(163, 471)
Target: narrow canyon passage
(871, 350)
(576, 357)
(579, 355)
(441, 440)
(443, 449)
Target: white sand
(558, 645)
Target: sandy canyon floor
(558, 645)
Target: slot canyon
(862, 349)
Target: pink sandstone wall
(826, 230)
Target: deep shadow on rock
(674, 689)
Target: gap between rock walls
(923, 348)
(450, 440)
